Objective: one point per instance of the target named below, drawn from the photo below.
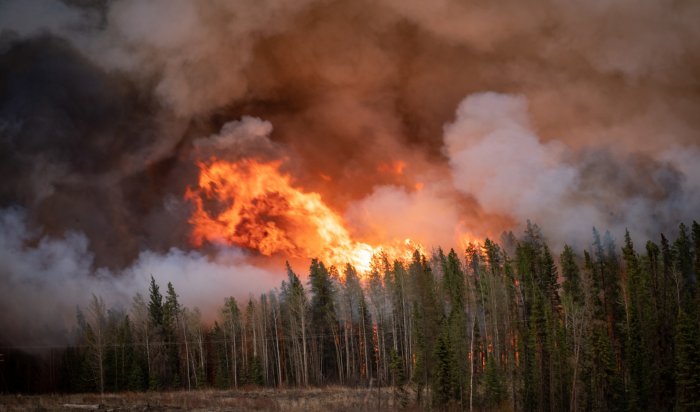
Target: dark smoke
(83, 149)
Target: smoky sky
(571, 114)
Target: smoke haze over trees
(507, 325)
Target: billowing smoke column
(439, 122)
(496, 157)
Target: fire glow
(253, 204)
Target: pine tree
(454, 284)
(687, 363)
(255, 373)
(695, 231)
(661, 328)
(155, 303)
(171, 319)
(157, 373)
(572, 275)
(137, 380)
(683, 254)
(623, 332)
(442, 381)
(426, 321)
(494, 388)
(323, 321)
(639, 341)
(296, 305)
(398, 377)
(548, 279)
(96, 338)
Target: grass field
(328, 399)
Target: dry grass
(330, 399)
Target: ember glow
(253, 204)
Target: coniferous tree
(620, 334)
(572, 275)
(687, 363)
(157, 371)
(94, 334)
(221, 360)
(606, 269)
(687, 339)
(171, 326)
(695, 231)
(683, 253)
(398, 377)
(231, 330)
(323, 322)
(454, 284)
(576, 314)
(661, 263)
(639, 336)
(426, 321)
(297, 307)
(494, 389)
(155, 303)
(442, 380)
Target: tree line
(501, 325)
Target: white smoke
(237, 138)
(497, 158)
(393, 213)
(45, 279)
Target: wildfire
(396, 167)
(254, 205)
(466, 239)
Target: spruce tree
(398, 377)
(683, 254)
(442, 381)
(454, 284)
(171, 318)
(155, 304)
(494, 388)
(426, 321)
(572, 275)
(158, 375)
(637, 344)
(695, 231)
(323, 319)
(687, 363)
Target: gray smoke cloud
(572, 114)
(46, 278)
(247, 137)
(496, 157)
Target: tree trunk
(187, 354)
(471, 364)
(303, 343)
(277, 347)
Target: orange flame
(396, 167)
(252, 204)
(466, 240)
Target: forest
(504, 325)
